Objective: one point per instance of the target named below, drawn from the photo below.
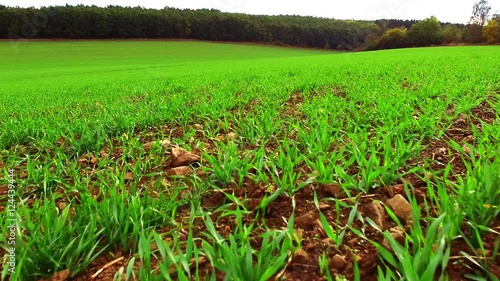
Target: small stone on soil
(442, 150)
(378, 214)
(396, 234)
(61, 206)
(353, 242)
(328, 242)
(401, 208)
(60, 276)
(182, 157)
(338, 262)
(306, 220)
(331, 190)
(324, 207)
(129, 176)
(300, 255)
(231, 136)
(102, 155)
(164, 143)
(466, 149)
(93, 160)
(179, 171)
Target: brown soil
(314, 240)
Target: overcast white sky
(458, 11)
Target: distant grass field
(79, 62)
(182, 160)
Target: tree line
(432, 32)
(115, 22)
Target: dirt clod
(324, 207)
(338, 262)
(306, 220)
(331, 190)
(231, 136)
(163, 143)
(182, 157)
(61, 206)
(466, 149)
(377, 214)
(442, 150)
(398, 235)
(401, 208)
(129, 176)
(59, 276)
(300, 255)
(179, 171)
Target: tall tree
(492, 30)
(394, 38)
(480, 13)
(425, 33)
(452, 34)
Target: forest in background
(115, 22)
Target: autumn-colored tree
(492, 31)
(394, 38)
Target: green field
(177, 160)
